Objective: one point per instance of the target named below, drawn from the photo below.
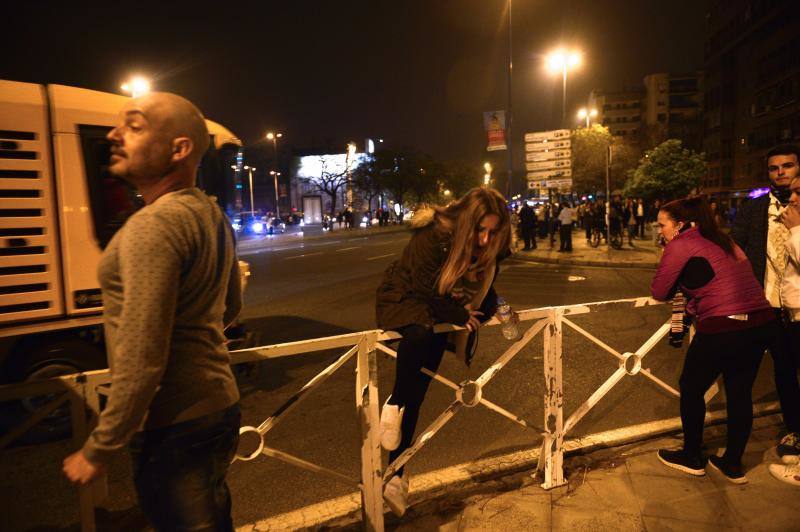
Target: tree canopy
(668, 171)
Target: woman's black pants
(736, 356)
(419, 348)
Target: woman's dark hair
(696, 210)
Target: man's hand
(791, 216)
(80, 470)
(473, 323)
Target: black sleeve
(739, 231)
(696, 273)
(448, 310)
(489, 305)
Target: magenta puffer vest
(733, 290)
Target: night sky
(416, 73)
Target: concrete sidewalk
(626, 488)
(643, 253)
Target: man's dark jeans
(784, 350)
(179, 472)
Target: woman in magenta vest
(733, 323)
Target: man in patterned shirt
(759, 231)
(170, 282)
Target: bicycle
(596, 236)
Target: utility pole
(509, 118)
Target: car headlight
(236, 226)
(257, 227)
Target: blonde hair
(461, 220)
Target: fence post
(369, 418)
(551, 459)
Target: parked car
(249, 223)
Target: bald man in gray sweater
(170, 282)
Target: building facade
(752, 90)
(665, 106)
(620, 111)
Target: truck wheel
(47, 359)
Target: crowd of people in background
(626, 217)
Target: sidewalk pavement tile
(699, 499)
(526, 509)
(666, 524)
(601, 489)
(596, 520)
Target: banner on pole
(494, 122)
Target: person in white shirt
(790, 303)
(566, 217)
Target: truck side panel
(30, 274)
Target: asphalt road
(325, 287)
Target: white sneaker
(789, 474)
(391, 418)
(395, 494)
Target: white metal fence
(83, 392)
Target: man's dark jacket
(750, 233)
(527, 217)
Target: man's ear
(182, 147)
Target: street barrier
(83, 392)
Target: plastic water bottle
(510, 331)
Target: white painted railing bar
(310, 466)
(301, 395)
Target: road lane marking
(382, 256)
(304, 255)
(348, 249)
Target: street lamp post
(275, 175)
(583, 113)
(250, 170)
(274, 138)
(561, 61)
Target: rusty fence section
(83, 392)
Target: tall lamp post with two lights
(561, 61)
(587, 114)
(274, 138)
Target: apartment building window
(727, 176)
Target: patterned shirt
(170, 279)
(777, 234)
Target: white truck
(59, 207)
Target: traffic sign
(559, 183)
(540, 136)
(552, 173)
(548, 155)
(548, 145)
(535, 184)
(547, 165)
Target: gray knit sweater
(170, 279)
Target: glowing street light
(136, 86)
(583, 113)
(561, 61)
